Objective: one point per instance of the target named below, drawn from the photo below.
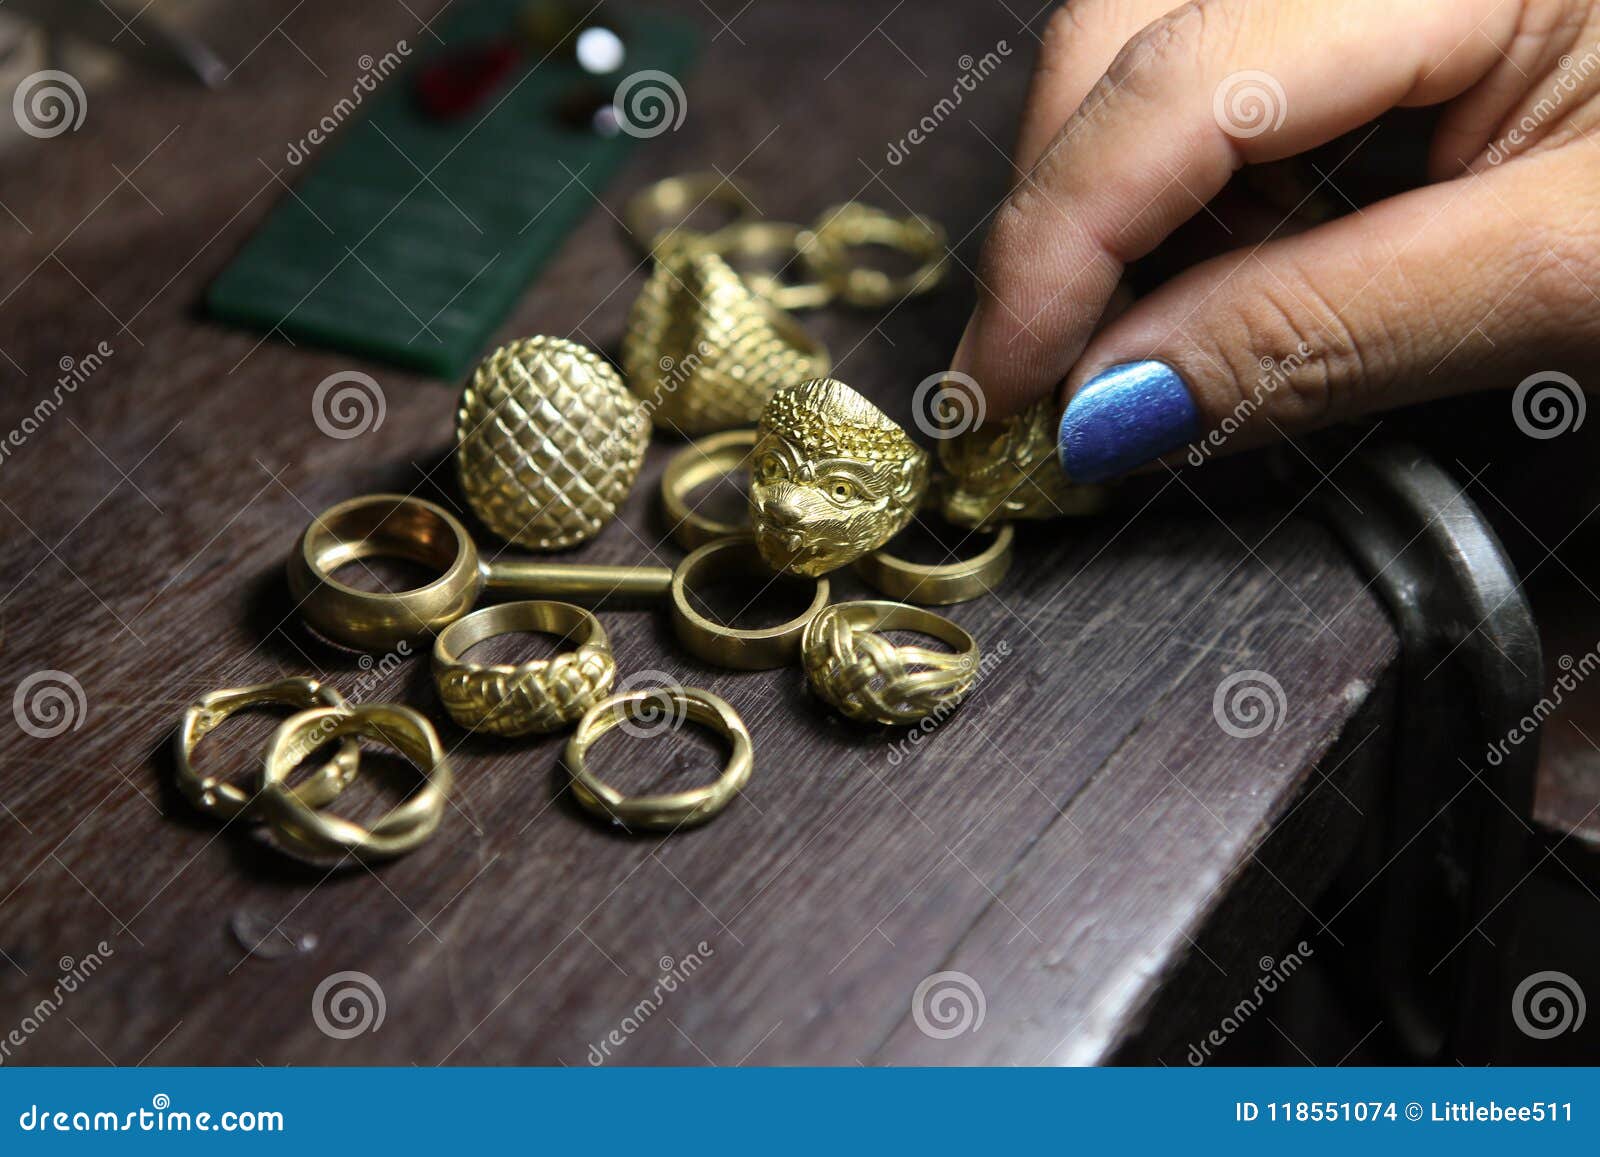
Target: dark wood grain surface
(1067, 839)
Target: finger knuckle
(1177, 41)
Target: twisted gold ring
(943, 584)
(756, 649)
(675, 809)
(826, 253)
(224, 800)
(868, 678)
(314, 835)
(523, 698)
(654, 216)
(692, 467)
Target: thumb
(1455, 287)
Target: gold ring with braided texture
(858, 670)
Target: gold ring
(225, 800)
(655, 215)
(523, 698)
(826, 253)
(692, 467)
(751, 247)
(676, 809)
(757, 649)
(315, 835)
(946, 583)
(868, 678)
(392, 525)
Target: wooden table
(1082, 840)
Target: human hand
(1140, 113)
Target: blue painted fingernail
(1124, 417)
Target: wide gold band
(854, 667)
(523, 698)
(396, 526)
(676, 809)
(306, 833)
(225, 800)
(655, 216)
(945, 583)
(754, 649)
(692, 467)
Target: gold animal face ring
(524, 698)
(316, 836)
(676, 809)
(854, 667)
(225, 800)
(400, 526)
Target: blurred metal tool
(152, 41)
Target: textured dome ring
(867, 677)
(523, 698)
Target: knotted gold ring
(676, 809)
(868, 678)
(315, 835)
(524, 698)
(225, 800)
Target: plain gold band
(523, 698)
(676, 809)
(314, 835)
(692, 467)
(657, 212)
(756, 649)
(945, 583)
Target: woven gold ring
(654, 216)
(676, 809)
(851, 665)
(942, 584)
(224, 800)
(524, 698)
(826, 253)
(314, 835)
(691, 468)
(744, 649)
